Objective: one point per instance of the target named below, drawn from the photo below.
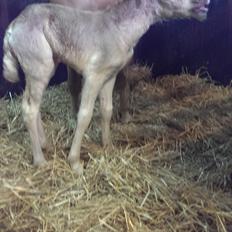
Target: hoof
(125, 118)
(77, 167)
(108, 147)
(44, 144)
(41, 162)
(107, 143)
(47, 147)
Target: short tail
(10, 62)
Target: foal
(97, 44)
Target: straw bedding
(170, 168)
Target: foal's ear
(138, 3)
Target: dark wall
(167, 46)
(192, 44)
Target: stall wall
(170, 46)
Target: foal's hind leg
(75, 86)
(124, 91)
(106, 107)
(30, 106)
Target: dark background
(170, 46)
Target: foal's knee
(84, 117)
(107, 112)
(29, 111)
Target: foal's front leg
(31, 103)
(91, 88)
